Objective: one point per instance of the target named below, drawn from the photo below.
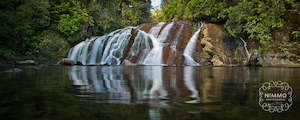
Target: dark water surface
(141, 93)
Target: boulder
(127, 62)
(27, 62)
(217, 61)
(254, 58)
(213, 44)
(78, 63)
(66, 61)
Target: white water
(245, 47)
(155, 30)
(155, 55)
(97, 50)
(157, 90)
(147, 47)
(175, 42)
(75, 52)
(188, 51)
(84, 54)
(108, 49)
(142, 41)
(115, 47)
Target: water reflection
(190, 83)
(155, 85)
(141, 92)
(154, 114)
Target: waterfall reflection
(154, 85)
(190, 83)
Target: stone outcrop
(27, 62)
(277, 59)
(127, 62)
(220, 47)
(254, 58)
(66, 61)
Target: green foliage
(174, 11)
(157, 15)
(53, 45)
(71, 17)
(32, 27)
(135, 12)
(207, 53)
(282, 49)
(256, 19)
(296, 34)
(21, 21)
(204, 10)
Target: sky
(155, 3)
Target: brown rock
(66, 61)
(127, 62)
(216, 61)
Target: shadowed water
(140, 92)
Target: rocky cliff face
(173, 44)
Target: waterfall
(97, 50)
(108, 49)
(162, 44)
(155, 30)
(141, 41)
(245, 47)
(188, 51)
(84, 54)
(155, 55)
(79, 53)
(174, 44)
(114, 49)
(75, 52)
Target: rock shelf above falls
(165, 43)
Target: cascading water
(97, 49)
(115, 48)
(150, 44)
(175, 42)
(107, 49)
(245, 47)
(142, 41)
(188, 51)
(77, 53)
(155, 55)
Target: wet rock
(217, 61)
(78, 63)
(127, 62)
(254, 59)
(276, 59)
(14, 70)
(66, 61)
(213, 44)
(28, 62)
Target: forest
(149, 59)
(47, 29)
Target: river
(141, 92)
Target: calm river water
(141, 93)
